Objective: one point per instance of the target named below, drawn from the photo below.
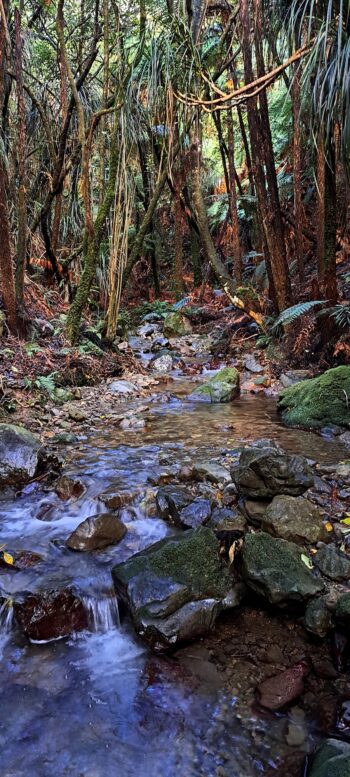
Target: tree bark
(22, 193)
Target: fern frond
(296, 311)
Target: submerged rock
(50, 615)
(274, 569)
(97, 532)
(319, 401)
(176, 325)
(333, 562)
(176, 588)
(266, 472)
(223, 387)
(19, 455)
(294, 518)
(332, 760)
(278, 691)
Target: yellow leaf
(231, 553)
(346, 521)
(328, 526)
(8, 558)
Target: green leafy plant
(292, 314)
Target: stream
(99, 703)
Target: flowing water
(99, 703)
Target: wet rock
(62, 395)
(65, 438)
(115, 498)
(122, 387)
(176, 588)
(254, 510)
(294, 376)
(343, 718)
(333, 562)
(24, 559)
(252, 365)
(223, 387)
(342, 612)
(97, 532)
(227, 524)
(278, 691)
(69, 488)
(159, 343)
(294, 518)
(148, 329)
(176, 325)
(332, 760)
(19, 455)
(318, 618)
(153, 318)
(76, 412)
(132, 422)
(50, 615)
(318, 402)
(274, 569)
(195, 514)
(171, 500)
(265, 472)
(163, 363)
(211, 471)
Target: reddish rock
(278, 691)
(50, 615)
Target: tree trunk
(327, 219)
(22, 193)
(178, 242)
(236, 245)
(270, 217)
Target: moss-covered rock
(332, 760)
(176, 588)
(274, 569)
(223, 387)
(342, 612)
(319, 401)
(176, 325)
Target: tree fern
(290, 315)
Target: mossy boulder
(176, 325)
(176, 588)
(223, 387)
(319, 401)
(274, 569)
(332, 760)
(342, 612)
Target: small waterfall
(6, 623)
(103, 614)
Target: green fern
(290, 315)
(46, 382)
(340, 313)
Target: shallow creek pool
(99, 704)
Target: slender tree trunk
(236, 244)
(195, 258)
(22, 193)
(178, 242)
(266, 188)
(251, 307)
(327, 219)
(6, 268)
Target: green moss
(319, 401)
(192, 559)
(223, 387)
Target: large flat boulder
(274, 569)
(266, 472)
(294, 518)
(19, 455)
(318, 402)
(176, 588)
(223, 387)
